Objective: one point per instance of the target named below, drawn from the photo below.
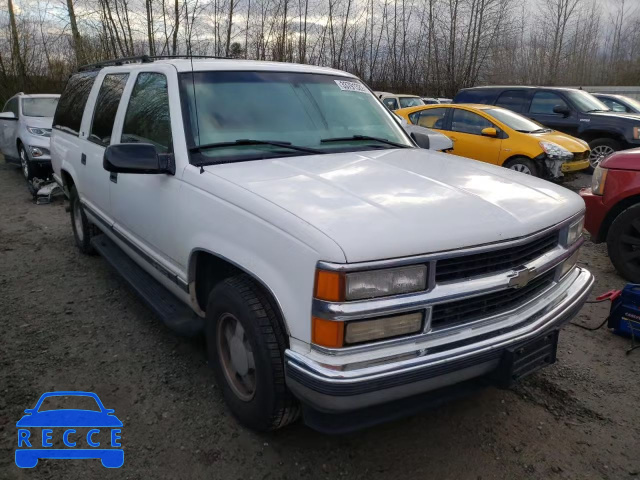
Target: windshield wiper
(243, 142)
(246, 141)
(363, 137)
(597, 110)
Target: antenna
(195, 102)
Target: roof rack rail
(142, 59)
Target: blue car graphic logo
(32, 447)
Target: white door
(94, 179)
(8, 130)
(144, 206)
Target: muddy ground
(68, 323)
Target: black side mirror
(421, 139)
(137, 158)
(562, 110)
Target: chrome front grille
(462, 267)
(467, 310)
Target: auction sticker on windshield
(351, 86)
(53, 430)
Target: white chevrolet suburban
(334, 267)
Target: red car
(613, 210)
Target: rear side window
(147, 119)
(68, 115)
(480, 95)
(430, 118)
(543, 103)
(11, 106)
(390, 103)
(464, 121)
(513, 100)
(106, 108)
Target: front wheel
(25, 164)
(245, 347)
(623, 243)
(601, 148)
(522, 165)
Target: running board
(171, 310)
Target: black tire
(623, 243)
(83, 230)
(270, 405)
(27, 167)
(523, 165)
(599, 148)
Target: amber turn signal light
(329, 286)
(327, 333)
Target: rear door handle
(83, 159)
(113, 176)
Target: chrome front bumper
(432, 364)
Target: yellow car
(502, 137)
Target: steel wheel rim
(236, 357)
(519, 167)
(77, 219)
(599, 153)
(24, 163)
(630, 244)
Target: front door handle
(113, 176)
(83, 159)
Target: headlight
(41, 132)
(338, 287)
(382, 283)
(569, 263)
(556, 152)
(598, 180)
(575, 231)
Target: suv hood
(40, 122)
(622, 115)
(394, 203)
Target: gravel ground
(68, 323)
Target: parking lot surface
(69, 323)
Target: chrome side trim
(396, 262)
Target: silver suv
(25, 130)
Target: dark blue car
(68, 419)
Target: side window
(512, 99)
(481, 95)
(391, 103)
(106, 107)
(147, 119)
(464, 121)
(543, 103)
(11, 106)
(430, 118)
(68, 116)
(613, 105)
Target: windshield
(585, 102)
(406, 102)
(631, 101)
(306, 111)
(514, 120)
(39, 107)
(65, 402)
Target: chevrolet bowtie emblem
(521, 277)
